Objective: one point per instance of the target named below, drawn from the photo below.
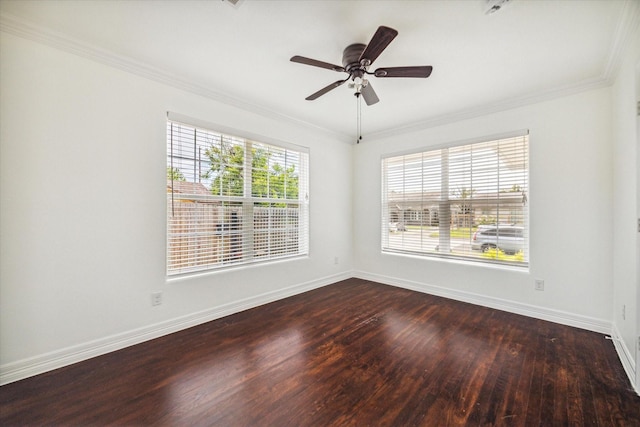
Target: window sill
(524, 268)
(180, 277)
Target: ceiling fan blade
(369, 94)
(419, 71)
(316, 63)
(378, 43)
(324, 90)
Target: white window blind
(465, 201)
(232, 201)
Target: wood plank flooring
(355, 353)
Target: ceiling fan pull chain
(358, 119)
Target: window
(232, 201)
(462, 201)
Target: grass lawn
(462, 233)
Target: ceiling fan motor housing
(351, 56)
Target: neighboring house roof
(419, 200)
(185, 187)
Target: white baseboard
(562, 317)
(626, 357)
(556, 316)
(25, 368)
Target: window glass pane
(467, 201)
(276, 229)
(232, 201)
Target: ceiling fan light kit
(356, 60)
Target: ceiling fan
(356, 60)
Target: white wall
(83, 211)
(570, 214)
(626, 283)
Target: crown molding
(21, 28)
(623, 37)
(492, 108)
(626, 27)
(627, 24)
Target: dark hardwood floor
(353, 353)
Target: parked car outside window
(397, 226)
(507, 238)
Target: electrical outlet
(624, 312)
(539, 284)
(156, 298)
(336, 260)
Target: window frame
(248, 204)
(387, 226)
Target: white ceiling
(529, 50)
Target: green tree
(260, 172)
(283, 182)
(174, 174)
(465, 206)
(227, 173)
(514, 189)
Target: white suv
(507, 238)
